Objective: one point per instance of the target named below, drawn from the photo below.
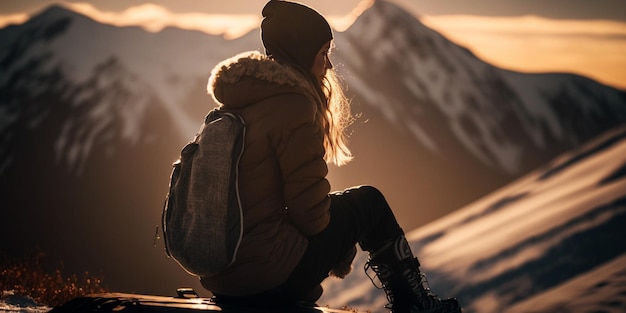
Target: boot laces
(417, 281)
(383, 271)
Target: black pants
(357, 215)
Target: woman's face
(322, 62)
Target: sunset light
(491, 134)
(593, 48)
(154, 18)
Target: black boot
(406, 287)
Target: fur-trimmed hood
(250, 77)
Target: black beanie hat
(293, 32)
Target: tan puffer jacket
(283, 188)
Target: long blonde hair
(334, 116)
(332, 111)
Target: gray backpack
(202, 219)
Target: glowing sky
(576, 36)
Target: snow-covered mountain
(552, 241)
(433, 89)
(104, 70)
(92, 116)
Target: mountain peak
(386, 19)
(53, 21)
(55, 12)
(390, 9)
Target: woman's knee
(367, 191)
(374, 195)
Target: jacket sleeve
(300, 153)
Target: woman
(295, 231)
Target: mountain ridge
(464, 68)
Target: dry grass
(27, 277)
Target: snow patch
(11, 303)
